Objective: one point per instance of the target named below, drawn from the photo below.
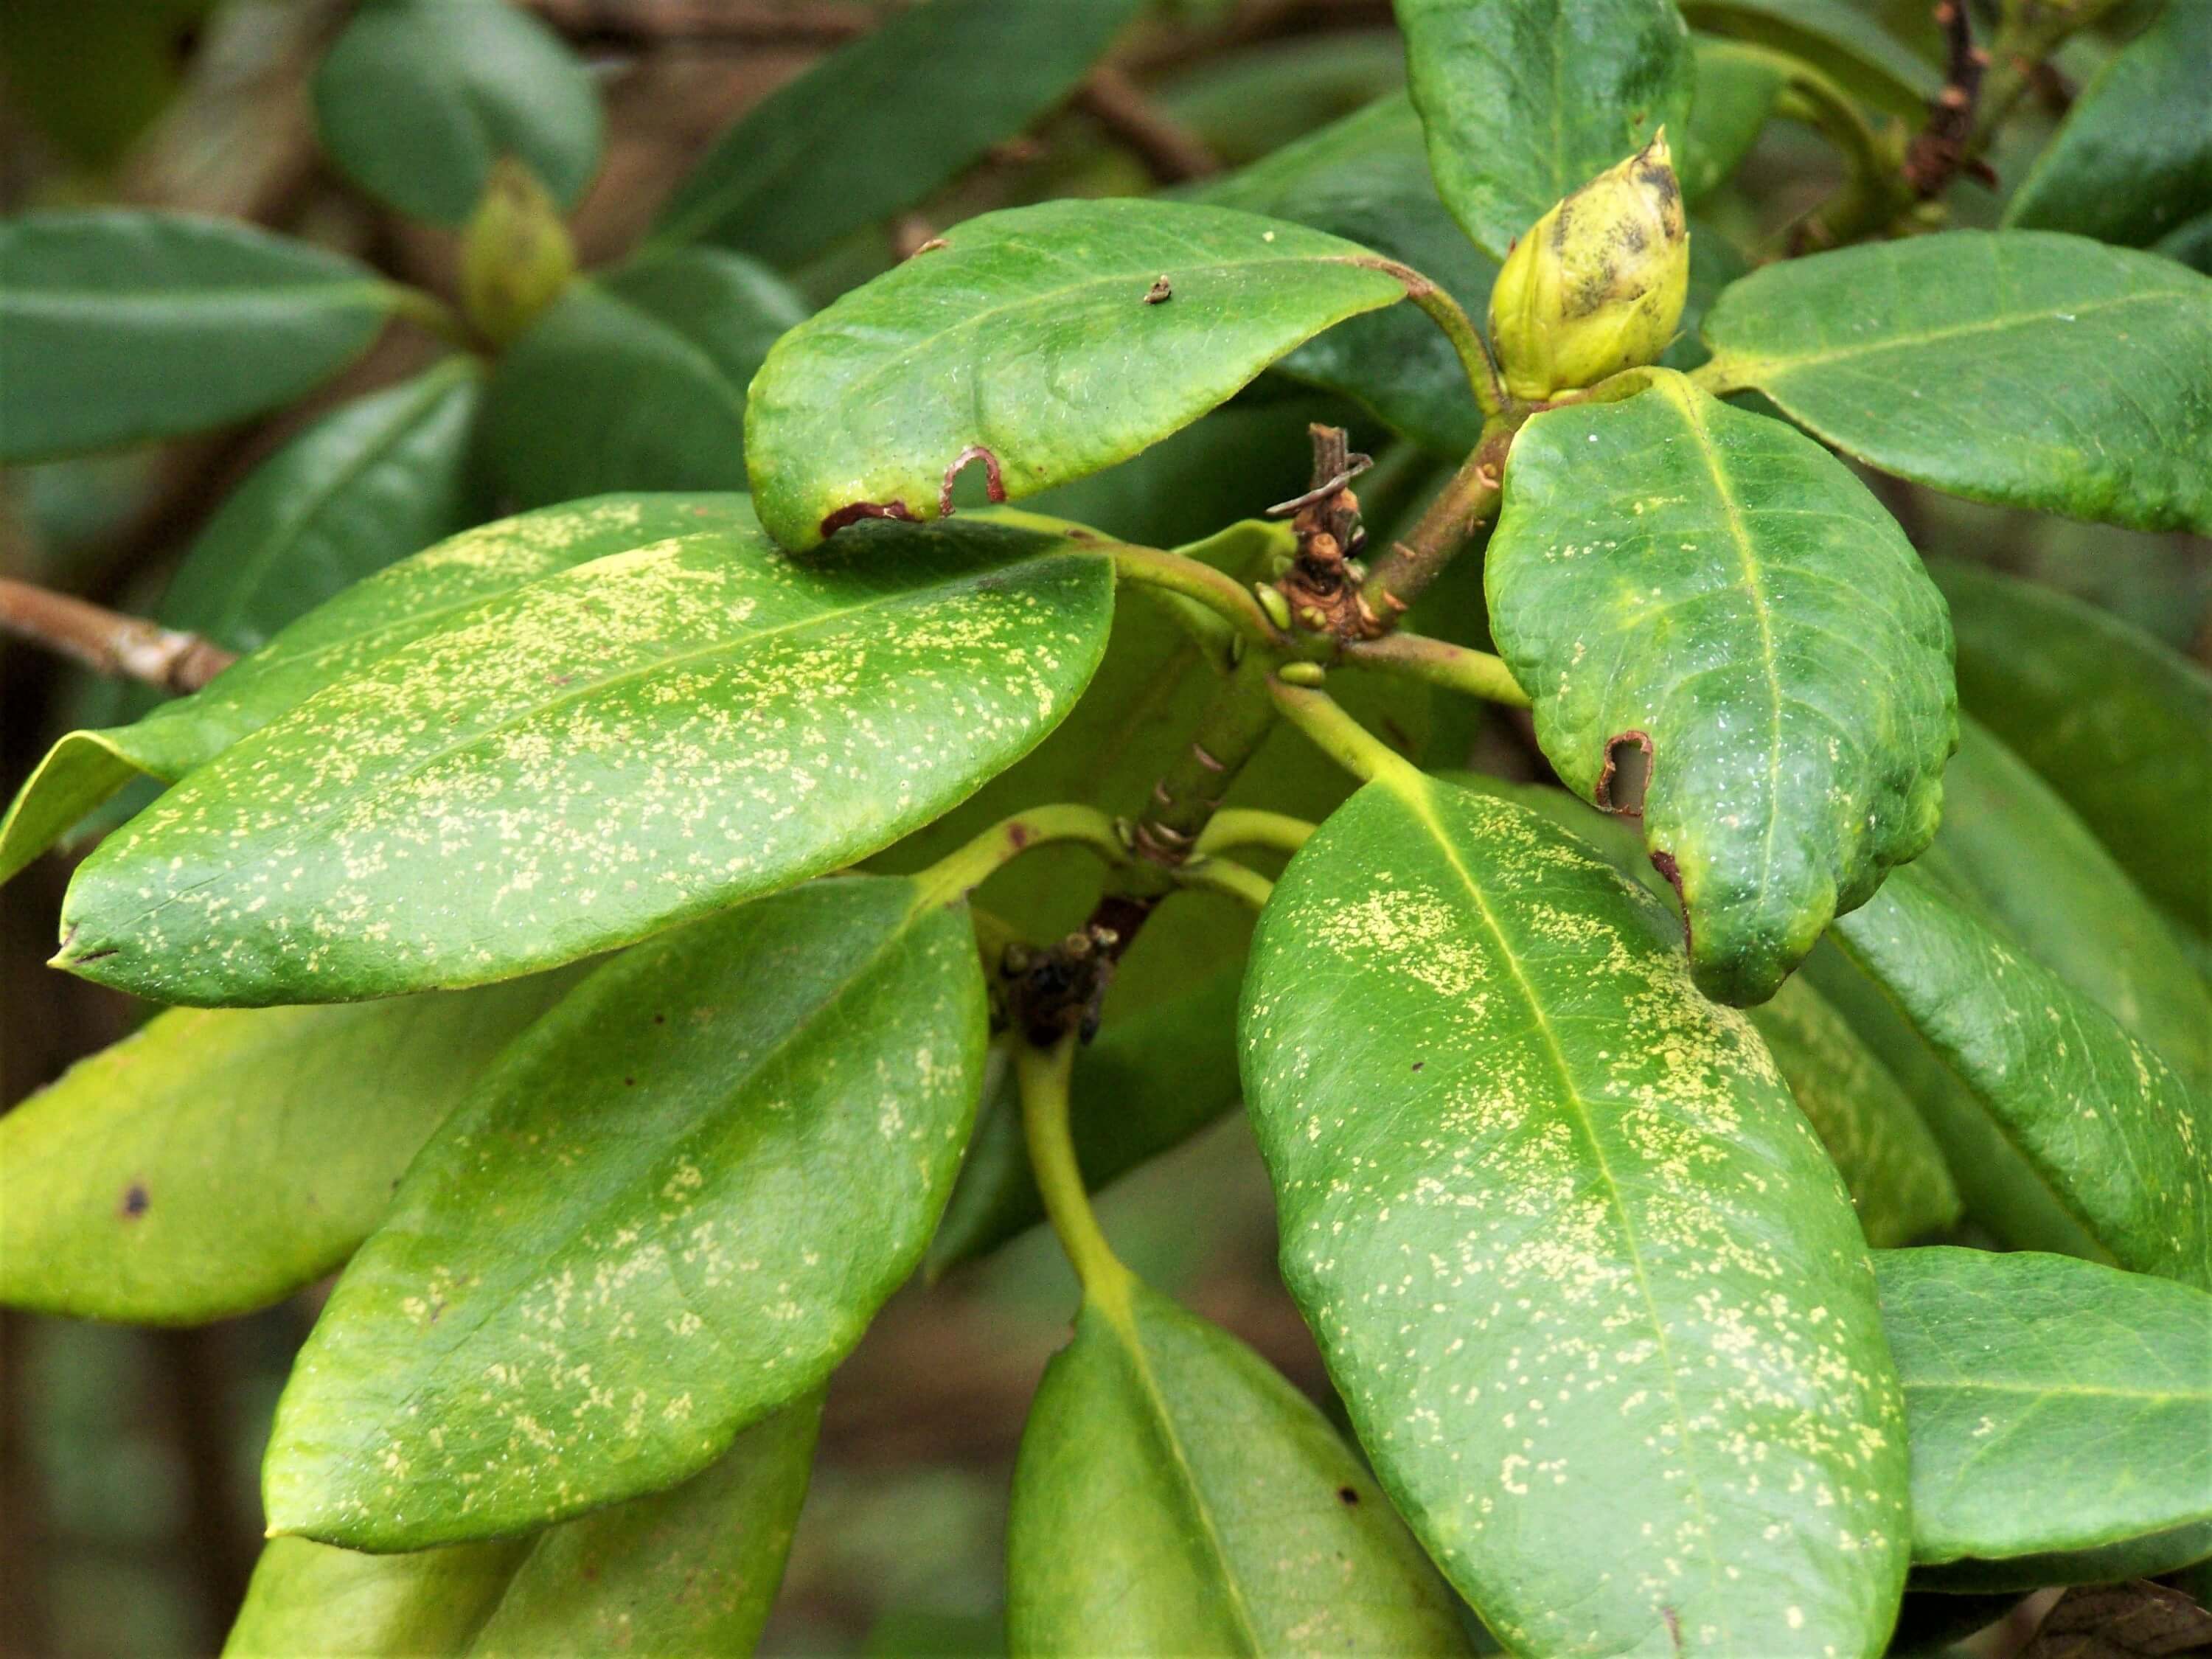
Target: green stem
(1234, 725)
(1041, 1075)
(1456, 668)
(1874, 192)
(2031, 30)
(1220, 875)
(428, 311)
(1247, 826)
(1467, 341)
(1198, 581)
(961, 871)
(1339, 736)
(1399, 577)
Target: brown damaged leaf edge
(994, 485)
(1628, 757)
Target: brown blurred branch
(639, 24)
(107, 642)
(1169, 149)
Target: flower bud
(516, 257)
(1597, 284)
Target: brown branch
(109, 642)
(640, 24)
(1942, 148)
(1172, 151)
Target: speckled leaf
(1367, 178)
(1524, 100)
(418, 98)
(1676, 577)
(2123, 1144)
(2023, 367)
(365, 621)
(636, 380)
(1837, 38)
(1029, 342)
(879, 125)
(672, 1209)
(601, 754)
(166, 1180)
(690, 1570)
(1174, 1490)
(123, 326)
(2011, 846)
(1149, 1082)
(1593, 1293)
(2116, 723)
(2133, 159)
(2052, 1405)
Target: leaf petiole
(1041, 1075)
(1226, 877)
(1196, 581)
(1467, 341)
(953, 876)
(1454, 667)
(1247, 826)
(1341, 738)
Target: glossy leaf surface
(1174, 1490)
(217, 1160)
(1588, 1286)
(1525, 101)
(1675, 578)
(879, 125)
(2116, 722)
(636, 380)
(418, 98)
(2022, 367)
(1837, 38)
(2121, 1142)
(597, 756)
(1029, 343)
(123, 326)
(2133, 159)
(1366, 177)
(2053, 1405)
(672, 1209)
(691, 1570)
(1737, 86)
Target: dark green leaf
(2133, 159)
(2022, 367)
(1835, 37)
(419, 98)
(2011, 845)
(356, 628)
(1699, 587)
(1525, 101)
(162, 1180)
(118, 325)
(1737, 86)
(142, 48)
(2052, 1405)
(1250, 102)
(1367, 178)
(599, 755)
(1175, 1491)
(2122, 1144)
(2109, 1564)
(2117, 724)
(636, 380)
(672, 1209)
(1030, 342)
(691, 1570)
(882, 122)
(1148, 1084)
(1590, 1289)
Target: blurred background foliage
(128, 1458)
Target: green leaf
(1684, 584)
(671, 1209)
(162, 1180)
(1592, 1293)
(1174, 1490)
(636, 380)
(601, 754)
(1526, 100)
(2133, 159)
(690, 1570)
(419, 98)
(1835, 37)
(144, 49)
(2009, 845)
(880, 123)
(1737, 86)
(2124, 1146)
(2117, 724)
(1889, 1161)
(1250, 101)
(2022, 367)
(2052, 1405)
(1366, 177)
(122, 325)
(1027, 341)
(339, 638)
(1148, 1084)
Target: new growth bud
(1597, 284)
(516, 257)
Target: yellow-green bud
(515, 254)
(1597, 284)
